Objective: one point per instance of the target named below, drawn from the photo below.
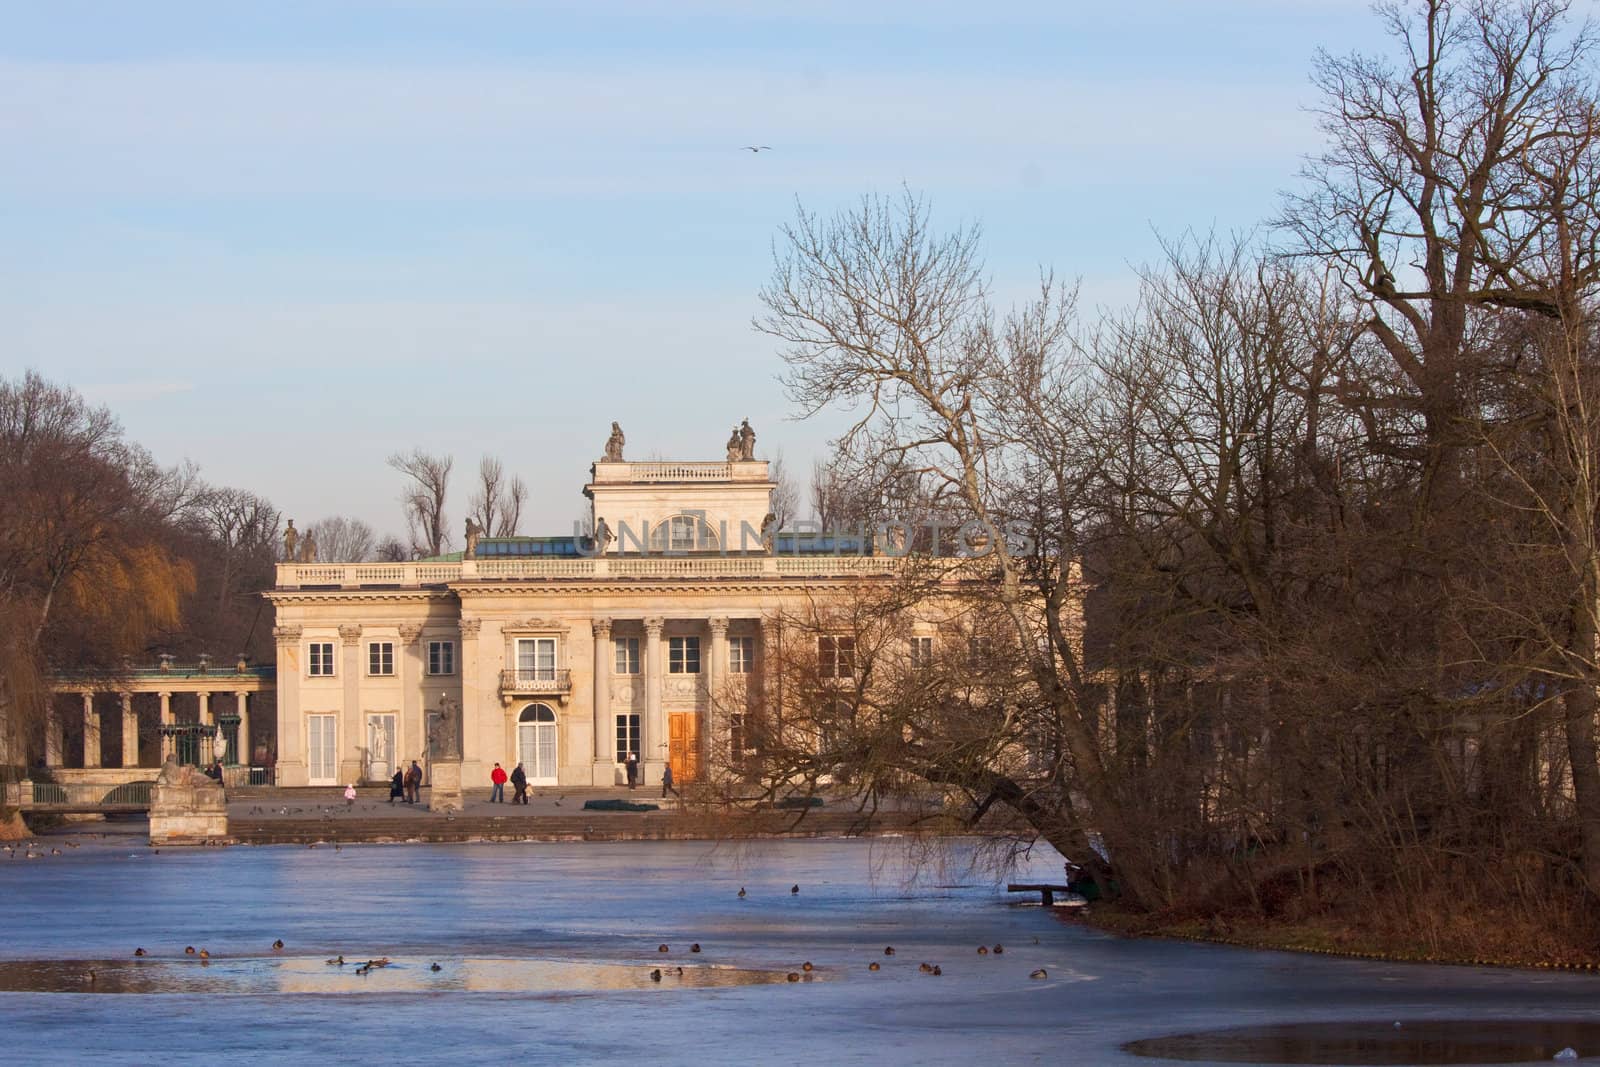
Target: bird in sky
(758, 148)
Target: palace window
(627, 655)
(320, 660)
(836, 657)
(380, 657)
(683, 655)
(741, 654)
(680, 533)
(536, 658)
(921, 653)
(441, 657)
(738, 740)
(627, 736)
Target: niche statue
(444, 731)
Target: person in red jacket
(497, 795)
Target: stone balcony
(550, 682)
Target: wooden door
(683, 745)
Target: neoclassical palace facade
(561, 653)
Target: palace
(562, 653)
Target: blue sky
(287, 239)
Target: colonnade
(207, 714)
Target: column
(716, 728)
(91, 732)
(52, 737)
(130, 732)
(352, 737)
(167, 746)
(472, 745)
(654, 741)
(207, 752)
(605, 756)
(290, 756)
(241, 705)
(409, 743)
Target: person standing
(349, 796)
(413, 783)
(397, 786)
(666, 781)
(519, 781)
(497, 779)
(632, 764)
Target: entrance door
(683, 745)
(536, 744)
(380, 747)
(322, 764)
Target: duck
(806, 966)
(695, 947)
(363, 969)
(436, 967)
(138, 952)
(662, 948)
(888, 950)
(936, 970)
(998, 949)
(188, 950)
(1040, 973)
(873, 966)
(337, 961)
(794, 890)
(983, 950)
(925, 968)
(204, 954)
(741, 892)
(277, 946)
(89, 977)
(57, 852)
(794, 976)
(655, 975)
(678, 972)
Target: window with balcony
(921, 653)
(683, 655)
(380, 657)
(627, 655)
(319, 659)
(536, 658)
(836, 657)
(441, 657)
(741, 655)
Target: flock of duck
(24, 851)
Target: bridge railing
(43, 796)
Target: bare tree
(242, 525)
(424, 499)
(497, 503)
(391, 550)
(785, 500)
(341, 539)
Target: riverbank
(1481, 938)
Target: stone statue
(444, 731)
(291, 543)
(474, 531)
(735, 446)
(769, 532)
(602, 536)
(308, 547)
(747, 441)
(614, 444)
(180, 775)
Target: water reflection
(1432, 1041)
(268, 975)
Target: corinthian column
(715, 727)
(91, 732)
(654, 742)
(604, 758)
(130, 732)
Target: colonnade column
(654, 743)
(130, 732)
(91, 732)
(202, 714)
(241, 704)
(166, 720)
(715, 727)
(52, 738)
(605, 759)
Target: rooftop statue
(614, 444)
(308, 547)
(474, 531)
(747, 441)
(735, 446)
(602, 536)
(291, 543)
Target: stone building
(562, 653)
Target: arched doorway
(536, 744)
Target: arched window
(536, 744)
(683, 533)
(537, 713)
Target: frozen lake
(545, 953)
